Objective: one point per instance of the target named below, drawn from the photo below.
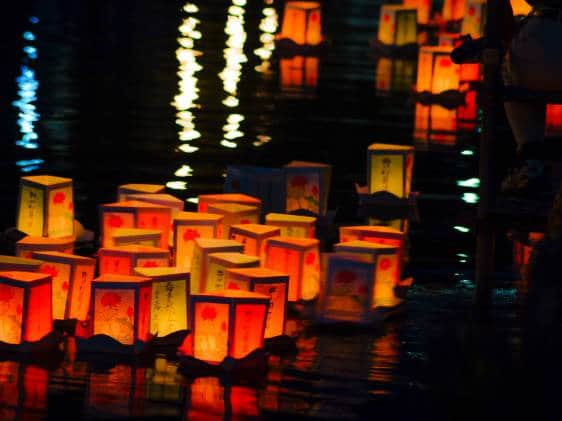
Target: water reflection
(268, 27)
(394, 75)
(298, 73)
(23, 391)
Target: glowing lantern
(307, 186)
(134, 214)
(46, 207)
(200, 263)
(227, 323)
(125, 190)
(23, 390)
(394, 74)
(553, 120)
(268, 282)
(219, 263)
(120, 308)
(298, 72)
(390, 168)
(123, 260)
(136, 236)
(422, 6)
(469, 72)
(435, 124)
(22, 264)
(204, 200)
(253, 237)
(387, 265)
(474, 18)
(300, 258)
(27, 245)
(436, 71)
(25, 307)
(520, 7)
(302, 22)
(170, 294)
(292, 225)
(397, 25)
(71, 278)
(235, 214)
(188, 226)
(453, 9)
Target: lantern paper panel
(435, 125)
(394, 75)
(453, 9)
(390, 168)
(553, 120)
(298, 72)
(253, 237)
(219, 263)
(293, 225)
(204, 200)
(123, 260)
(436, 71)
(307, 186)
(124, 190)
(23, 390)
(474, 18)
(235, 214)
(397, 25)
(71, 278)
(302, 22)
(28, 245)
(46, 207)
(136, 236)
(520, 7)
(423, 8)
(22, 264)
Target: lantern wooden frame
(133, 255)
(402, 156)
(204, 200)
(28, 245)
(19, 264)
(396, 23)
(299, 226)
(298, 176)
(235, 214)
(219, 263)
(136, 236)
(253, 237)
(124, 190)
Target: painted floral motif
(310, 258)
(113, 319)
(190, 234)
(6, 293)
(110, 299)
(232, 285)
(115, 221)
(49, 270)
(59, 198)
(208, 313)
(385, 263)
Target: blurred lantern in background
(469, 72)
(553, 120)
(394, 75)
(453, 9)
(307, 186)
(136, 236)
(123, 260)
(520, 7)
(435, 124)
(302, 22)
(253, 237)
(423, 8)
(298, 72)
(390, 168)
(124, 190)
(474, 18)
(292, 225)
(21, 264)
(219, 263)
(397, 25)
(436, 71)
(28, 245)
(23, 390)
(204, 200)
(234, 214)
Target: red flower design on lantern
(310, 258)
(209, 313)
(6, 293)
(345, 277)
(115, 221)
(59, 198)
(445, 62)
(130, 312)
(313, 17)
(110, 299)
(471, 11)
(223, 326)
(49, 270)
(386, 17)
(232, 285)
(298, 181)
(65, 286)
(70, 205)
(149, 264)
(190, 234)
(384, 264)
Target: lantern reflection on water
(235, 214)
(124, 190)
(28, 245)
(219, 263)
(390, 168)
(253, 237)
(292, 225)
(436, 71)
(298, 72)
(302, 22)
(163, 382)
(435, 124)
(123, 260)
(23, 391)
(394, 75)
(474, 18)
(397, 25)
(307, 186)
(453, 9)
(136, 236)
(11, 263)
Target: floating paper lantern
(27, 245)
(292, 225)
(219, 263)
(474, 18)
(136, 236)
(125, 190)
(235, 214)
(188, 226)
(269, 282)
(253, 237)
(25, 307)
(302, 22)
(395, 75)
(436, 71)
(307, 186)
(123, 260)
(390, 168)
(435, 124)
(204, 200)
(520, 7)
(170, 295)
(23, 390)
(453, 9)
(134, 214)
(553, 120)
(46, 206)
(423, 8)
(397, 25)
(300, 259)
(298, 72)
(200, 263)
(120, 308)
(71, 278)
(227, 323)
(21, 264)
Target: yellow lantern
(204, 200)
(435, 124)
(269, 282)
(170, 295)
(553, 120)
(23, 389)
(292, 225)
(28, 245)
(25, 307)
(453, 9)
(235, 214)
(302, 22)
(397, 25)
(188, 226)
(20, 264)
(136, 236)
(474, 18)
(300, 259)
(423, 8)
(123, 260)
(71, 279)
(520, 7)
(436, 71)
(298, 72)
(124, 190)
(394, 74)
(219, 263)
(307, 186)
(46, 206)
(253, 237)
(390, 168)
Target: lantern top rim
(234, 258)
(23, 277)
(113, 278)
(445, 49)
(198, 217)
(46, 180)
(132, 204)
(161, 271)
(373, 229)
(231, 207)
(128, 232)
(364, 245)
(300, 164)
(135, 248)
(216, 243)
(389, 146)
(397, 7)
(49, 241)
(155, 198)
(255, 228)
(300, 4)
(57, 255)
(264, 273)
(149, 188)
(232, 294)
(287, 217)
(230, 197)
(5, 259)
(293, 241)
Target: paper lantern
(253, 237)
(269, 282)
(302, 22)
(292, 225)
(423, 8)
(390, 168)
(21, 264)
(23, 390)
(204, 200)
(397, 25)
(453, 9)
(474, 18)
(520, 7)
(200, 263)
(235, 214)
(435, 124)
(125, 190)
(469, 72)
(395, 75)
(387, 265)
(436, 71)
(219, 263)
(46, 206)
(123, 260)
(300, 259)
(136, 236)
(307, 186)
(25, 307)
(553, 120)
(170, 295)
(188, 226)
(298, 72)
(227, 323)
(120, 308)
(134, 214)
(71, 278)
(27, 245)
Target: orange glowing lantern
(298, 72)
(125, 190)
(553, 120)
(134, 214)
(23, 390)
(307, 186)
(253, 237)
(28, 245)
(300, 258)
(436, 71)
(200, 263)
(123, 260)
(474, 18)
(71, 278)
(423, 7)
(390, 168)
(136, 236)
(268, 282)
(46, 206)
(25, 307)
(397, 25)
(170, 294)
(302, 22)
(219, 263)
(453, 9)
(204, 200)
(292, 225)
(21, 264)
(120, 308)
(387, 265)
(227, 323)
(394, 74)
(435, 124)
(188, 226)
(235, 214)
(520, 7)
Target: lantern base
(380, 49)
(106, 344)
(287, 48)
(47, 344)
(280, 345)
(301, 309)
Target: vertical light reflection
(268, 27)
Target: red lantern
(423, 8)
(123, 260)
(520, 7)
(298, 72)
(21, 264)
(28, 245)
(553, 120)
(436, 72)
(253, 237)
(397, 25)
(136, 236)
(23, 391)
(302, 22)
(204, 200)
(125, 190)
(219, 263)
(292, 225)
(307, 186)
(390, 168)
(235, 214)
